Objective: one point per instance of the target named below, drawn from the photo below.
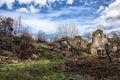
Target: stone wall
(99, 40)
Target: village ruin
(99, 47)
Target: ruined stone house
(80, 42)
(99, 41)
(72, 45)
(97, 48)
(63, 46)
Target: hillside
(53, 66)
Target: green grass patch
(31, 70)
(43, 69)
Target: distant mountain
(87, 36)
(116, 32)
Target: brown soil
(100, 69)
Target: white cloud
(69, 1)
(22, 10)
(41, 2)
(110, 17)
(24, 1)
(51, 0)
(37, 24)
(112, 11)
(33, 9)
(34, 21)
(44, 22)
(9, 3)
(101, 8)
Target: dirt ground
(98, 69)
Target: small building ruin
(99, 41)
(115, 43)
(100, 46)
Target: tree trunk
(107, 53)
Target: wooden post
(107, 53)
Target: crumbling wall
(73, 46)
(97, 48)
(115, 43)
(80, 42)
(99, 40)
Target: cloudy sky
(46, 15)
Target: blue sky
(47, 15)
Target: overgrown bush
(20, 45)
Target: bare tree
(17, 26)
(69, 30)
(6, 25)
(66, 33)
(25, 32)
(41, 36)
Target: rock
(7, 60)
(14, 61)
(34, 56)
(7, 53)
